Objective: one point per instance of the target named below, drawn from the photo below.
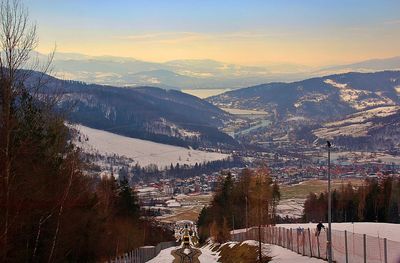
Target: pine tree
(127, 201)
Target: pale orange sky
(255, 33)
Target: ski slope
(141, 151)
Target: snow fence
(347, 247)
(143, 254)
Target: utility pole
(247, 222)
(233, 224)
(329, 241)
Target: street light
(329, 241)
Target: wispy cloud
(180, 37)
(164, 37)
(392, 22)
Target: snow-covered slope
(141, 151)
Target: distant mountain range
(192, 74)
(165, 116)
(341, 106)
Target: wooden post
(298, 249)
(287, 239)
(319, 252)
(365, 248)
(385, 249)
(291, 237)
(309, 241)
(304, 243)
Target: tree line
(374, 201)
(121, 166)
(250, 200)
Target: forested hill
(321, 99)
(149, 113)
(358, 110)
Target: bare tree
(17, 40)
(261, 202)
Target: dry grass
(301, 191)
(240, 253)
(183, 213)
(191, 212)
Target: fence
(143, 254)
(347, 247)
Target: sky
(248, 32)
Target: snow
(244, 111)
(356, 124)
(383, 230)
(207, 255)
(142, 151)
(335, 84)
(291, 208)
(283, 255)
(173, 204)
(352, 96)
(366, 115)
(280, 254)
(353, 130)
(315, 97)
(164, 256)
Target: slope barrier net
(346, 246)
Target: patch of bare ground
(239, 253)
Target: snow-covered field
(364, 157)
(244, 112)
(354, 96)
(354, 130)
(142, 151)
(356, 124)
(291, 208)
(366, 115)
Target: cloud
(392, 22)
(183, 37)
(164, 37)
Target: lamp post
(329, 241)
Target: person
(319, 228)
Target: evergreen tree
(127, 201)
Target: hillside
(140, 151)
(355, 105)
(148, 113)
(194, 73)
(174, 74)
